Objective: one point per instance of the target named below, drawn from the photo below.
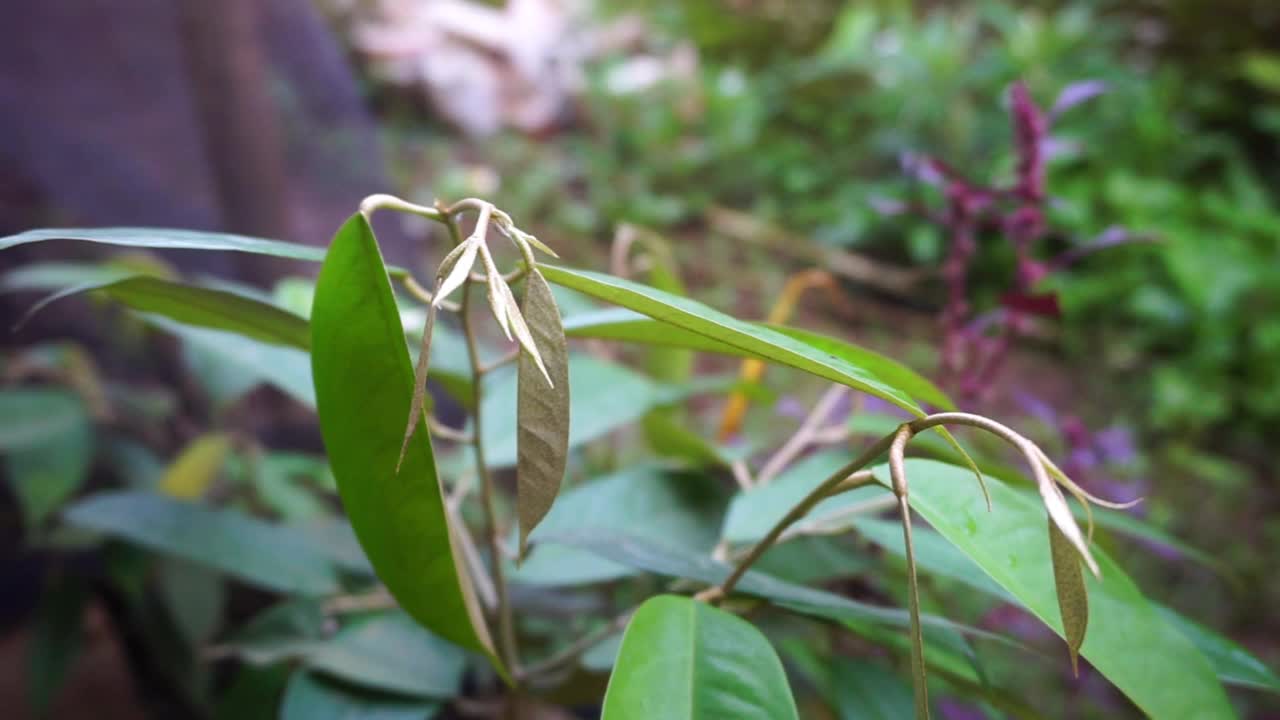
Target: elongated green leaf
(937, 556)
(392, 653)
(685, 660)
(542, 411)
(259, 553)
(679, 510)
(364, 386)
(308, 697)
(1128, 641)
(215, 309)
(1073, 598)
(47, 444)
(887, 369)
(167, 238)
(1234, 664)
(754, 340)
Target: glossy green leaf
(392, 653)
(542, 411)
(1073, 597)
(606, 396)
(364, 386)
(308, 697)
(747, 338)
(886, 368)
(685, 660)
(864, 690)
(679, 510)
(259, 553)
(754, 512)
(1168, 678)
(47, 445)
(1234, 664)
(214, 309)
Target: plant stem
(507, 647)
(802, 508)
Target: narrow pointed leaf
(462, 264)
(364, 389)
(1073, 599)
(1167, 677)
(168, 238)
(685, 660)
(274, 557)
(746, 338)
(1234, 664)
(542, 410)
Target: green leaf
(542, 411)
(934, 554)
(1073, 598)
(268, 556)
(47, 442)
(392, 653)
(308, 697)
(284, 631)
(364, 386)
(214, 309)
(754, 512)
(863, 690)
(251, 361)
(166, 238)
(1234, 664)
(886, 368)
(746, 338)
(606, 396)
(1167, 678)
(679, 510)
(682, 659)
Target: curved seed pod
(542, 413)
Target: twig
(506, 359)
(424, 295)
(379, 599)
(804, 436)
(506, 623)
(444, 432)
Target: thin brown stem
(801, 509)
(423, 295)
(506, 359)
(506, 624)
